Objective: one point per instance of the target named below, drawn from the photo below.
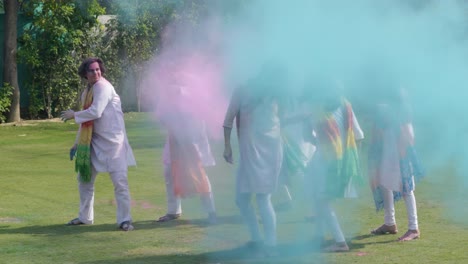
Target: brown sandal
(75, 221)
(167, 217)
(410, 235)
(385, 229)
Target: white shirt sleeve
(102, 95)
(233, 110)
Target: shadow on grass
(62, 229)
(58, 230)
(230, 219)
(361, 238)
(285, 253)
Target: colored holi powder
(187, 81)
(371, 47)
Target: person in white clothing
(335, 168)
(101, 144)
(393, 163)
(186, 154)
(256, 110)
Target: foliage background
(58, 35)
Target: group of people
(101, 145)
(324, 148)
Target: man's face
(93, 74)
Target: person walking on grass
(186, 154)
(101, 144)
(255, 108)
(335, 169)
(297, 152)
(393, 163)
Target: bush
(6, 91)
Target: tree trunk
(10, 71)
(138, 91)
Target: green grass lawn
(38, 195)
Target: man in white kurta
(110, 150)
(260, 162)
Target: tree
(10, 71)
(134, 37)
(59, 36)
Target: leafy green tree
(59, 36)
(132, 38)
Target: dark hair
(83, 69)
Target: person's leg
(330, 220)
(208, 204)
(122, 196)
(207, 200)
(268, 218)
(335, 226)
(174, 205)
(389, 207)
(410, 202)
(86, 190)
(389, 226)
(413, 228)
(243, 201)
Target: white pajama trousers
(174, 203)
(327, 219)
(267, 213)
(389, 208)
(121, 192)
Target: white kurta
(110, 150)
(260, 146)
(389, 172)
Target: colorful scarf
(83, 153)
(342, 157)
(293, 157)
(187, 171)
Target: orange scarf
(187, 170)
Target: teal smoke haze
(370, 46)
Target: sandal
(410, 235)
(167, 217)
(75, 221)
(385, 229)
(126, 226)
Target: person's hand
(73, 152)
(228, 154)
(66, 115)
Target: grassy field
(38, 195)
